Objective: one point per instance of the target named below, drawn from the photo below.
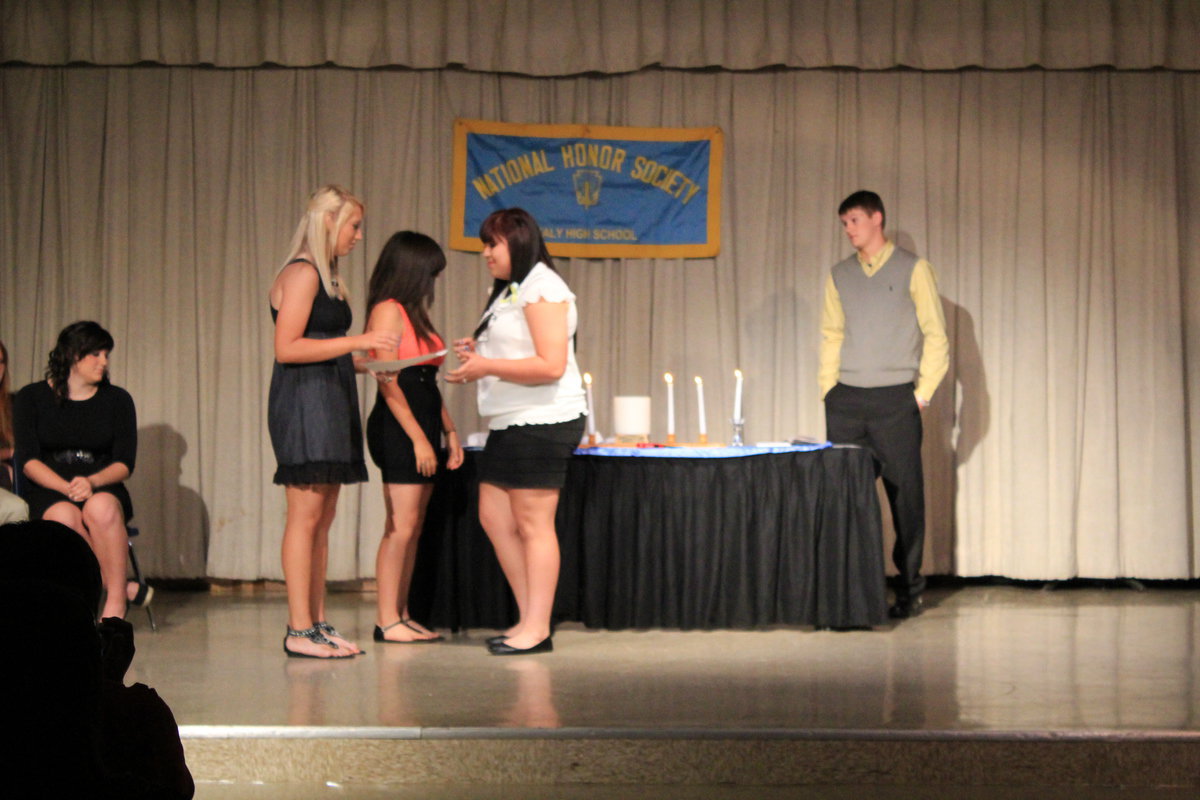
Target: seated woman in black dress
(76, 442)
(406, 425)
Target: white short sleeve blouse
(507, 336)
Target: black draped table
(677, 538)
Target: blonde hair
(316, 236)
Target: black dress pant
(887, 420)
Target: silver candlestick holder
(739, 428)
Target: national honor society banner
(600, 192)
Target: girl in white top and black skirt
(523, 356)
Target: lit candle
(670, 379)
(700, 403)
(737, 394)
(591, 408)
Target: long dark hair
(526, 248)
(405, 272)
(74, 342)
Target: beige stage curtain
(567, 37)
(1057, 208)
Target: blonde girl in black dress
(312, 412)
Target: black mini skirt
(530, 456)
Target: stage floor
(980, 659)
(983, 662)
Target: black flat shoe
(495, 639)
(501, 648)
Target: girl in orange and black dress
(406, 425)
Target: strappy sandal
(407, 622)
(330, 631)
(379, 634)
(314, 636)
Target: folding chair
(132, 532)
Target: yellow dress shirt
(935, 354)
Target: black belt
(74, 457)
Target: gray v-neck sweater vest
(883, 338)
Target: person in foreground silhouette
(81, 728)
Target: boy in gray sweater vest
(883, 352)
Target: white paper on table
(400, 363)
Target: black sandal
(407, 622)
(379, 634)
(143, 595)
(314, 636)
(328, 630)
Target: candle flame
(699, 381)
(668, 377)
(587, 378)
(737, 373)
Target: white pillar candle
(737, 394)
(591, 405)
(670, 379)
(700, 404)
(631, 415)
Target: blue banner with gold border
(596, 191)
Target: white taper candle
(737, 394)
(591, 405)
(670, 379)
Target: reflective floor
(1002, 661)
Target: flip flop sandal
(379, 637)
(314, 636)
(327, 629)
(407, 622)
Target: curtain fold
(554, 38)
(1057, 209)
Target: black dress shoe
(143, 595)
(502, 648)
(906, 607)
